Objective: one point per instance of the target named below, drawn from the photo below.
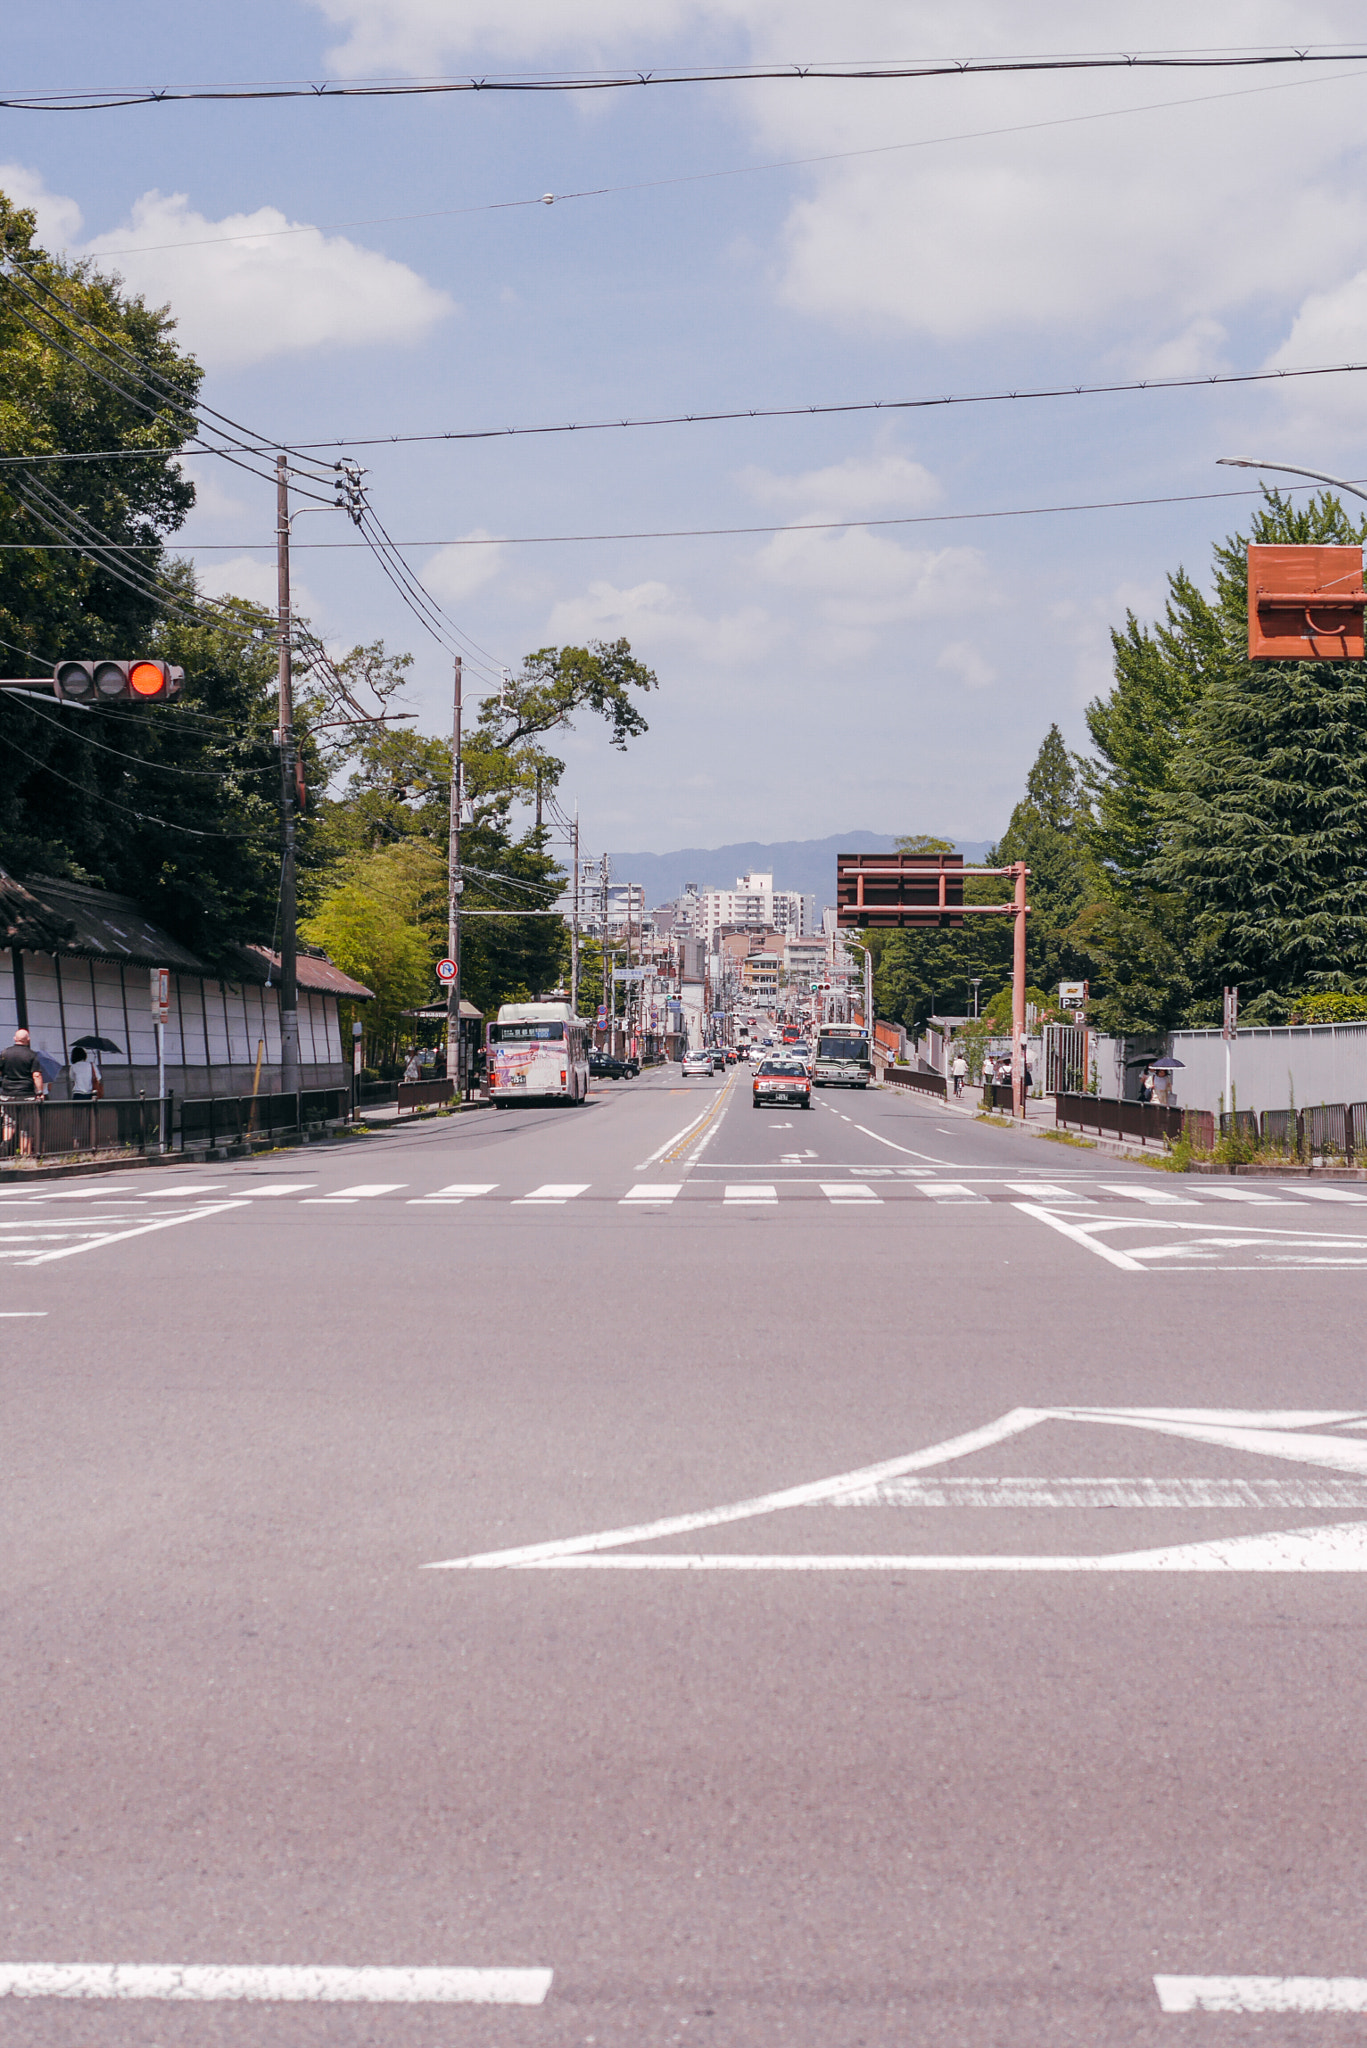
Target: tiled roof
(99, 926)
(312, 971)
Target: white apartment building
(753, 905)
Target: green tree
(375, 922)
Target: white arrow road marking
(1276, 1434)
(91, 1244)
(1083, 1237)
(1262, 1994)
(273, 1983)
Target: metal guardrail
(907, 1077)
(229, 1119)
(1331, 1130)
(420, 1094)
(43, 1130)
(1149, 1122)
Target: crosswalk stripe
(737, 1197)
(362, 1191)
(283, 1187)
(948, 1191)
(1331, 1194)
(849, 1191)
(1250, 1195)
(1153, 1196)
(555, 1192)
(458, 1191)
(1046, 1191)
(648, 1193)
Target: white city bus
(842, 1058)
(538, 1052)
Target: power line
(840, 72)
(1121, 388)
(524, 540)
(792, 163)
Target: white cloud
(59, 219)
(656, 618)
(860, 579)
(384, 36)
(252, 577)
(861, 486)
(265, 292)
(967, 663)
(453, 574)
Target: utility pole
(454, 885)
(290, 1078)
(1018, 994)
(574, 923)
(608, 1014)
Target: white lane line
(849, 1191)
(806, 1495)
(1153, 1196)
(458, 1191)
(1340, 1547)
(1261, 1994)
(13, 1314)
(736, 1197)
(1047, 1191)
(647, 1193)
(879, 1139)
(678, 1137)
(948, 1191)
(554, 1193)
(281, 1187)
(1264, 1495)
(274, 1983)
(1082, 1237)
(1330, 1194)
(363, 1191)
(142, 1230)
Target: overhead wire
(837, 71)
(137, 760)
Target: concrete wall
(1268, 1064)
(211, 1036)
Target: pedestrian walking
(1146, 1086)
(21, 1083)
(87, 1082)
(413, 1071)
(960, 1072)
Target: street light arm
(1290, 469)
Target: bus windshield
(520, 1034)
(843, 1049)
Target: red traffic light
(115, 682)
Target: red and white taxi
(781, 1079)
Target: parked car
(697, 1062)
(605, 1066)
(781, 1080)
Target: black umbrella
(97, 1045)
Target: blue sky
(891, 680)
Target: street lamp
(977, 981)
(1290, 469)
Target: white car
(697, 1063)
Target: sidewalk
(1039, 1122)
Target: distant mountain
(807, 865)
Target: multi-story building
(753, 905)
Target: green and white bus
(842, 1059)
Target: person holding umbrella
(86, 1080)
(21, 1080)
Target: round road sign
(446, 970)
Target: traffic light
(117, 682)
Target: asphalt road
(913, 1597)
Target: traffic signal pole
(454, 885)
(1018, 994)
(290, 1079)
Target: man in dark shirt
(21, 1077)
(21, 1080)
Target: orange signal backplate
(1305, 604)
